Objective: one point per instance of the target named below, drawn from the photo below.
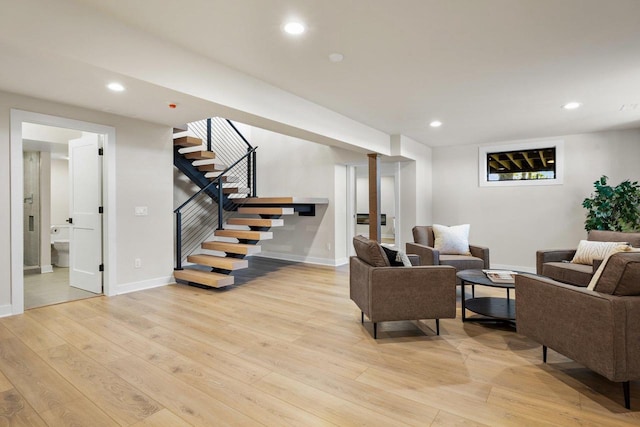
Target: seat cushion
(566, 272)
(462, 262)
(370, 252)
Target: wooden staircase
(240, 235)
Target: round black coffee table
(491, 308)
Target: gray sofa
(597, 328)
(386, 293)
(556, 263)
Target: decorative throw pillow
(396, 258)
(588, 251)
(405, 259)
(391, 256)
(451, 240)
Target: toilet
(60, 242)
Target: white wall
(143, 178)
(288, 166)
(59, 191)
(415, 186)
(516, 221)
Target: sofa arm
(586, 326)
(415, 259)
(359, 277)
(480, 252)
(552, 255)
(400, 293)
(427, 254)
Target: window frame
(483, 151)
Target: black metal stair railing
(203, 213)
(208, 209)
(223, 137)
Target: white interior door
(85, 227)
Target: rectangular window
(521, 165)
(531, 163)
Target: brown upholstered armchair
(386, 293)
(423, 246)
(597, 328)
(556, 263)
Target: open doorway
(54, 257)
(48, 237)
(358, 197)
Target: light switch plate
(142, 211)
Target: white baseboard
(46, 268)
(144, 284)
(304, 259)
(513, 268)
(5, 310)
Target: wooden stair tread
(233, 248)
(199, 155)
(226, 178)
(211, 168)
(256, 222)
(285, 200)
(187, 141)
(265, 211)
(245, 234)
(215, 280)
(232, 190)
(218, 262)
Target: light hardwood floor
(285, 347)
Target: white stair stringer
(185, 150)
(204, 162)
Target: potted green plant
(613, 208)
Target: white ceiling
(490, 70)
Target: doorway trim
(352, 202)
(18, 117)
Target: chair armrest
(427, 254)
(552, 255)
(480, 252)
(415, 259)
(587, 326)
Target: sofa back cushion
(423, 235)
(614, 236)
(370, 252)
(621, 275)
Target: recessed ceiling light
(572, 105)
(116, 87)
(294, 28)
(336, 57)
(435, 124)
